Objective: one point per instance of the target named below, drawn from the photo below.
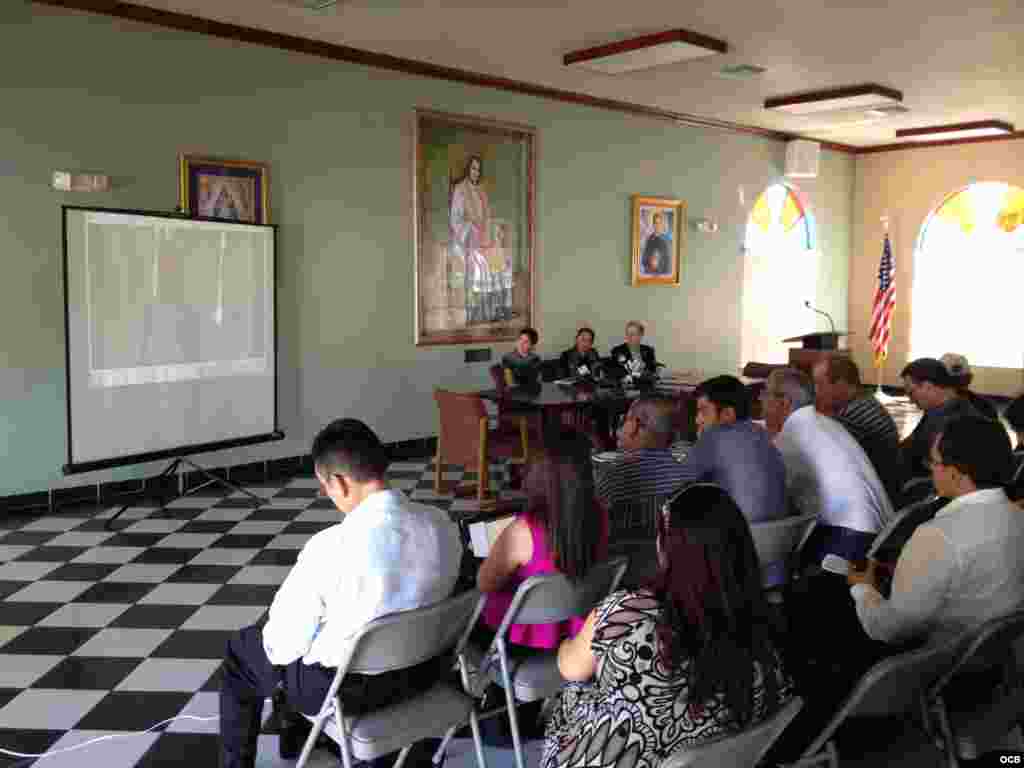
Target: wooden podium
(815, 347)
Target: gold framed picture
(658, 240)
(227, 190)
(474, 218)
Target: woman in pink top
(563, 530)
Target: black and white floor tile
(106, 633)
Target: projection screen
(170, 336)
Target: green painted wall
(97, 94)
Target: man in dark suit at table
(633, 355)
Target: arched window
(968, 273)
(780, 273)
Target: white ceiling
(955, 61)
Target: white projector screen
(170, 334)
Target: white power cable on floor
(104, 738)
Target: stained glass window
(780, 273)
(968, 273)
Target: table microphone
(820, 312)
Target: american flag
(885, 300)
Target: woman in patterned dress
(690, 658)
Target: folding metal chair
(968, 727)
(529, 674)
(897, 685)
(777, 540)
(741, 750)
(397, 641)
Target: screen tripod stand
(212, 479)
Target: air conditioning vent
(740, 71)
(309, 5)
(887, 110)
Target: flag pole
(880, 363)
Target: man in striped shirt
(840, 394)
(647, 467)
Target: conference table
(606, 403)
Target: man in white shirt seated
(827, 472)
(387, 554)
(964, 566)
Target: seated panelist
(638, 359)
(522, 365)
(581, 358)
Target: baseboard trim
(249, 473)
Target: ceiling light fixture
(866, 96)
(956, 131)
(646, 51)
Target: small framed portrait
(229, 190)
(658, 245)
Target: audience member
(522, 365)
(581, 358)
(647, 467)
(638, 359)
(930, 387)
(693, 657)
(563, 530)
(963, 567)
(829, 475)
(738, 455)
(827, 472)
(960, 371)
(840, 394)
(734, 452)
(387, 554)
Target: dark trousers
(249, 678)
(827, 652)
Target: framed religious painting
(474, 224)
(229, 190)
(658, 240)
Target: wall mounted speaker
(802, 159)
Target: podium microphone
(820, 312)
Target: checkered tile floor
(108, 632)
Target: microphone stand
(820, 312)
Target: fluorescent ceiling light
(956, 131)
(645, 52)
(851, 97)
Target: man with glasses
(931, 388)
(647, 466)
(964, 566)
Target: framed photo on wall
(474, 220)
(229, 190)
(658, 240)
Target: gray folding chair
(528, 674)
(777, 540)
(891, 539)
(897, 685)
(397, 641)
(968, 727)
(740, 750)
